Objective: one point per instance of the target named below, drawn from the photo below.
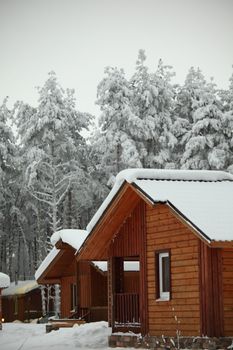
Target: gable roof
(74, 238)
(203, 198)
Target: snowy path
(19, 336)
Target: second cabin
(83, 284)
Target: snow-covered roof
(22, 287)
(203, 197)
(4, 280)
(74, 238)
(46, 262)
(128, 265)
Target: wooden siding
(128, 240)
(131, 282)
(211, 291)
(165, 231)
(28, 306)
(66, 295)
(92, 288)
(84, 284)
(227, 262)
(98, 287)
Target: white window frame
(162, 295)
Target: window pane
(166, 274)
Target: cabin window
(73, 296)
(163, 275)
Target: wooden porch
(126, 312)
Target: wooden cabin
(179, 226)
(21, 301)
(4, 283)
(83, 284)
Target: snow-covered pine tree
(153, 96)
(205, 146)
(227, 123)
(188, 99)
(7, 177)
(118, 124)
(49, 139)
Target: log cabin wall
(84, 284)
(22, 307)
(98, 287)
(165, 231)
(131, 282)
(8, 309)
(128, 240)
(211, 291)
(66, 295)
(227, 264)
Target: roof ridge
(182, 180)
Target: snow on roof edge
(131, 175)
(46, 262)
(4, 280)
(104, 205)
(73, 237)
(22, 287)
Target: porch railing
(126, 309)
(82, 313)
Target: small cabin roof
(204, 198)
(22, 287)
(74, 238)
(4, 280)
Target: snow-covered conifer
(153, 104)
(205, 146)
(50, 139)
(118, 123)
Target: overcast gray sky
(78, 38)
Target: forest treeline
(51, 177)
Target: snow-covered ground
(21, 336)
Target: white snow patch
(46, 262)
(33, 337)
(74, 238)
(4, 280)
(21, 287)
